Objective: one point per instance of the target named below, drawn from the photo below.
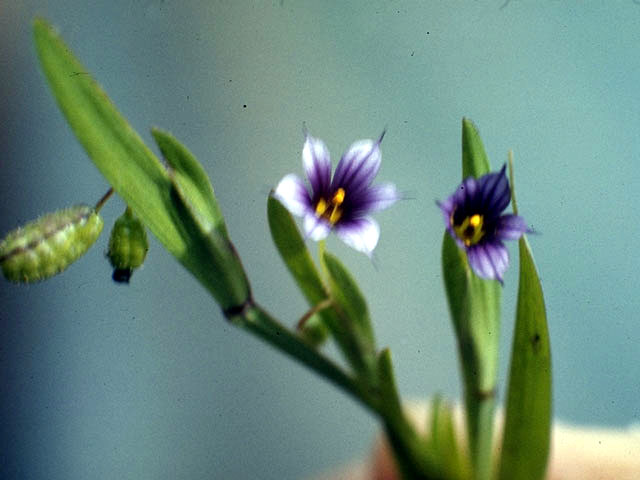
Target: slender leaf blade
(212, 258)
(346, 292)
(444, 442)
(525, 446)
(294, 252)
(475, 162)
(192, 178)
(296, 256)
(111, 143)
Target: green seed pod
(128, 246)
(50, 244)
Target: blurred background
(147, 381)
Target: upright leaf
(294, 252)
(527, 430)
(475, 162)
(444, 442)
(345, 291)
(297, 258)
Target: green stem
(480, 413)
(255, 319)
(409, 448)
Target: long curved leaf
(133, 171)
(525, 444)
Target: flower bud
(128, 246)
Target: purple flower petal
(489, 260)
(317, 164)
(510, 227)
(357, 167)
(293, 194)
(361, 234)
(315, 228)
(374, 199)
(466, 192)
(494, 188)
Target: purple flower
(473, 216)
(343, 203)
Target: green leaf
(475, 162)
(297, 258)
(212, 258)
(294, 252)
(443, 442)
(345, 291)
(167, 207)
(115, 148)
(192, 178)
(527, 430)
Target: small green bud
(47, 246)
(128, 246)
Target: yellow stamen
(321, 207)
(338, 197)
(475, 220)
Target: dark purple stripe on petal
(495, 190)
(510, 227)
(357, 167)
(465, 196)
(373, 199)
(317, 165)
(489, 260)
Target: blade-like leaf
(297, 258)
(443, 442)
(525, 445)
(475, 162)
(192, 178)
(346, 292)
(115, 148)
(294, 252)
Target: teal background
(148, 381)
